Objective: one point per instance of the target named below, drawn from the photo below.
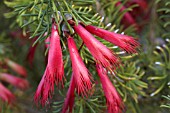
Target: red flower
(18, 82)
(16, 67)
(114, 102)
(6, 95)
(100, 52)
(80, 72)
(55, 65)
(30, 55)
(54, 72)
(69, 101)
(127, 43)
(127, 19)
(32, 49)
(143, 6)
(42, 93)
(31, 52)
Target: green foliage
(161, 67)
(94, 104)
(113, 14)
(168, 104)
(37, 14)
(164, 12)
(4, 48)
(130, 83)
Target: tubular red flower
(55, 62)
(127, 18)
(30, 55)
(100, 52)
(125, 42)
(31, 52)
(69, 101)
(81, 75)
(142, 4)
(6, 95)
(18, 82)
(16, 67)
(54, 72)
(114, 102)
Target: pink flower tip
(69, 101)
(15, 81)
(42, 93)
(16, 67)
(6, 95)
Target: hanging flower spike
(127, 19)
(82, 77)
(54, 72)
(31, 52)
(17, 82)
(16, 67)
(127, 43)
(30, 55)
(99, 51)
(113, 100)
(6, 95)
(55, 64)
(69, 101)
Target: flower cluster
(81, 80)
(18, 82)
